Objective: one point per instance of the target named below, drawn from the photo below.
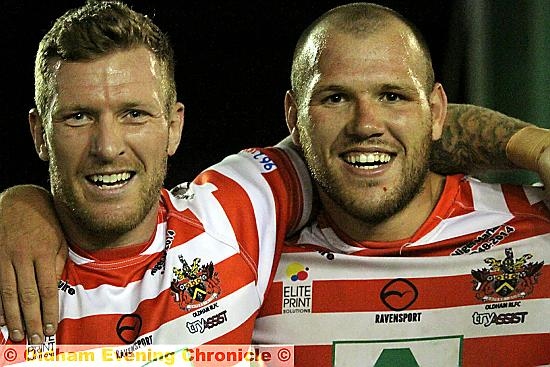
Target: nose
(108, 139)
(367, 120)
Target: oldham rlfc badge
(506, 279)
(194, 285)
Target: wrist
(525, 147)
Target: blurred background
(233, 67)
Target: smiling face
(365, 122)
(107, 144)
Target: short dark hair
(94, 30)
(355, 18)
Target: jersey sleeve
(259, 197)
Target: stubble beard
(364, 207)
(108, 227)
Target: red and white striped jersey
(202, 276)
(470, 288)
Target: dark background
(233, 67)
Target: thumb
(544, 170)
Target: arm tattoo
(473, 138)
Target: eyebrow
(397, 87)
(330, 87)
(383, 86)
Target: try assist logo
(196, 285)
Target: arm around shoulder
(30, 240)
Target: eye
(136, 116)
(391, 97)
(77, 119)
(335, 98)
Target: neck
(399, 226)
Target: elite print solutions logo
(194, 285)
(506, 279)
(297, 290)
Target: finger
(10, 302)
(28, 299)
(47, 287)
(60, 259)
(544, 170)
(2, 318)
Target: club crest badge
(194, 286)
(506, 279)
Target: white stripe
(204, 205)
(126, 299)
(244, 170)
(462, 225)
(350, 267)
(238, 311)
(158, 242)
(488, 197)
(362, 326)
(157, 245)
(5, 333)
(534, 194)
(174, 335)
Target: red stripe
(91, 276)
(507, 351)
(239, 210)
(101, 329)
(433, 293)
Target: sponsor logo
(205, 310)
(493, 306)
(506, 279)
(139, 343)
(399, 294)
(199, 326)
(47, 350)
(393, 318)
(128, 327)
(492, 318)
(297, 272)
(63, 286)
(297, 295)
(488, 239)
(262, 159)
(161, 264)
(194, 286)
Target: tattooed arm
(474, 138)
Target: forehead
(121, 73)
(389, 49)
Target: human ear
(438, 107)
(38, 134)
(291, 116)
(175, 127)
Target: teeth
(110, 179)
(373, 157)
